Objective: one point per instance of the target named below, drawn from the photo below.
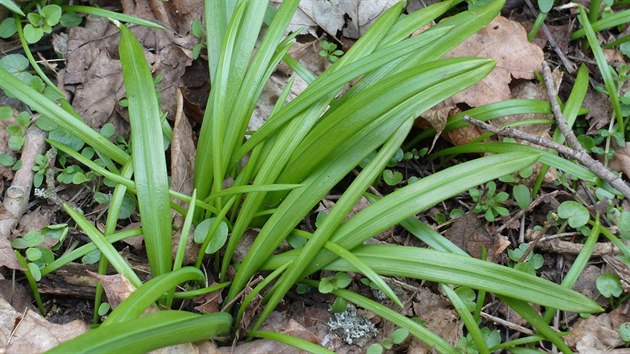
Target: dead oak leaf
(505, 42)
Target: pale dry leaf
(505, 42)
(621, 161)
(352, 17)
(469, 233)
(182, 158)
(593, 335)
(116, 286)
(210, 302)
(28, 332)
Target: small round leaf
(574, 212)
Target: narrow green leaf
(429, 338)
(467, 318)
(9, 4)
(149, 162)
(609, 21)
(142, 335)
(290, 340)
(112, 15)
(147, 294)
(104, 246)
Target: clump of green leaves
(198, 32)
(36, 252)
(329, 51)
(488, 202)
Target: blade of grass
(420, 263)
(9, 4)
(142, 335)
(149, 162)
(609, 21)
(90, 10)
(602, 64)
(106, 248)
(467, 318)
(546, 157)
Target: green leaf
(104, 309)
(9, 4)
(6, 160)
(375, 348)
(609, 285)
(342, 280)
(624, 331)
(112, 15)
(66, 138)
(339, 305)
(392, 178)
(91, 257)
(70, 19)
(400, 335)
(107, 130)
(196, 28)
(14, 63)
(31, 239)
(522, 195)
(153, 331)
(326, 286)
(574, 212)
(33, 254)
(217, 240)
(7, 27)
(149, 162)
(32, 34)
(545, 5)
(52, 13)
(35, 271)
(623, 224)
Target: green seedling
(488, 202)
(468, 345)
(329, 51)
(544, 6)
(198, 32)
(36, 253)
(397, 337)
(575, 213)
(41, 21)
(532, 262)
(609, 285)
(624, 332)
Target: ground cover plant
(262, 186)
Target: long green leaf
(90, 10)
(612, 20)
(143, 297)
(149, 162)
(551, 159)
(420, 263)
(142, 335)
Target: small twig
(557, 112)
(507, 324)
(581, 156)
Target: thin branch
(581, 156)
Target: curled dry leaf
(468, 233)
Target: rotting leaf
(506, 42)
(116, 286)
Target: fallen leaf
(28, 332)
(210, 302)
(116, 286)
(469, 233)
(621, 161)
(506, 42)
(351, 17)
(182, 157)
(440, 319)
(593, 335)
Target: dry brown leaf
(440, 319)
(621, 161)
(506, 42)
(116, 286)
(210, 302)
(182, 157)
(28, 332)
(593, 335)
(469, 233)
(352, 17)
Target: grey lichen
(352, 327)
